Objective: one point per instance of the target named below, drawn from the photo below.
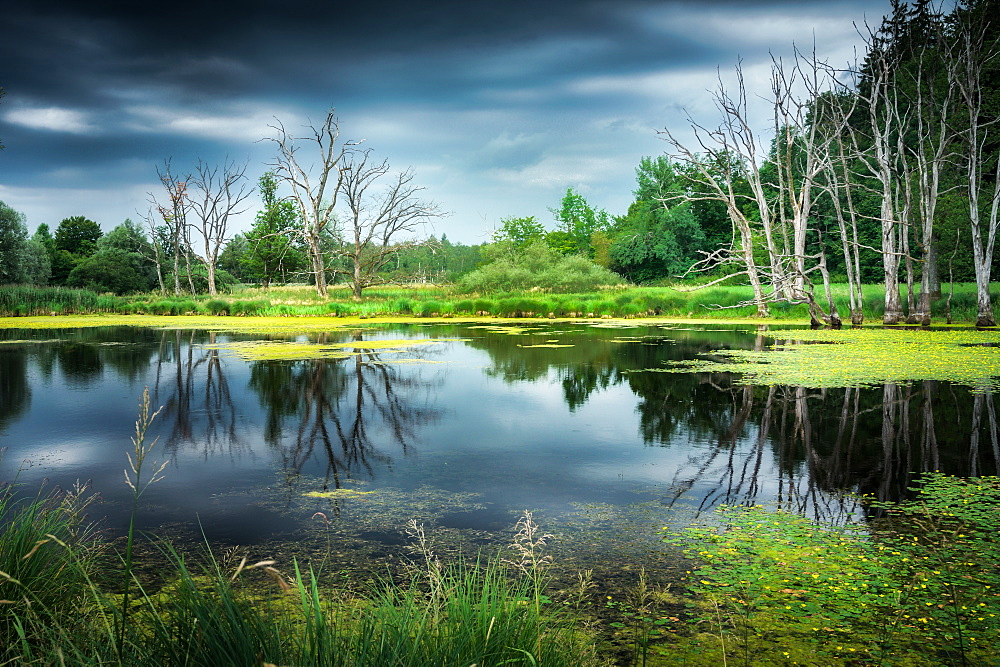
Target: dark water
(466, 433)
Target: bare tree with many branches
(174, 215)
(315, 188)
(219, 193)
(377, 218)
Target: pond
(288, 441)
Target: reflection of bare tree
(341, 410)
(824, 442)
(191, 384)
(983, 402)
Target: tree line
(877, 172)
(881, 171)
(891, 162)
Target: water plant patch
(860, 357)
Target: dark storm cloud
(481, 97)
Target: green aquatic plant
(274, 350)
(918, 587)
(337, 494)
(858, 357)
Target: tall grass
(28, 300)
(45, 568)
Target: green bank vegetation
(718, 302)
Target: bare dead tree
(983, 195)
(378, 218)
(841, 105)
(729, 168)
(150, 219)
(315, 186)
(805, 127)
(218, 194)
(932, 152)
(718, 176)
(887, 114)
(731, 154)
(174, 215)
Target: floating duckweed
(545, 345)
(339, 494)
(269, 350)
(859, 357)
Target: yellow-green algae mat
(273, 350)
(863, 357)
(258, 350)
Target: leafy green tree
(13, 246)
(44, 236)
(62, 262)
(271, 251)
(654, 242)
(232, 258)
(123, 263)
(578, 221)
(127, 237)
(659, 237)
(75, 238)
(112, 270)
(519, 231)
(77, 235)
(37, 267)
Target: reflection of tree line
(344, 411)
(330, 409)
(190, 382)
(80, 358)
(824, 441)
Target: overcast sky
(497, 106)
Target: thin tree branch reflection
(345, 410)
(191, 384)
(826, 442)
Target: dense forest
(882, 172)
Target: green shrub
(217, 307)
(429, 308)
(464, 307)
(402, 305)
(484, 305)
(537, 265)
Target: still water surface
(465, 433)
